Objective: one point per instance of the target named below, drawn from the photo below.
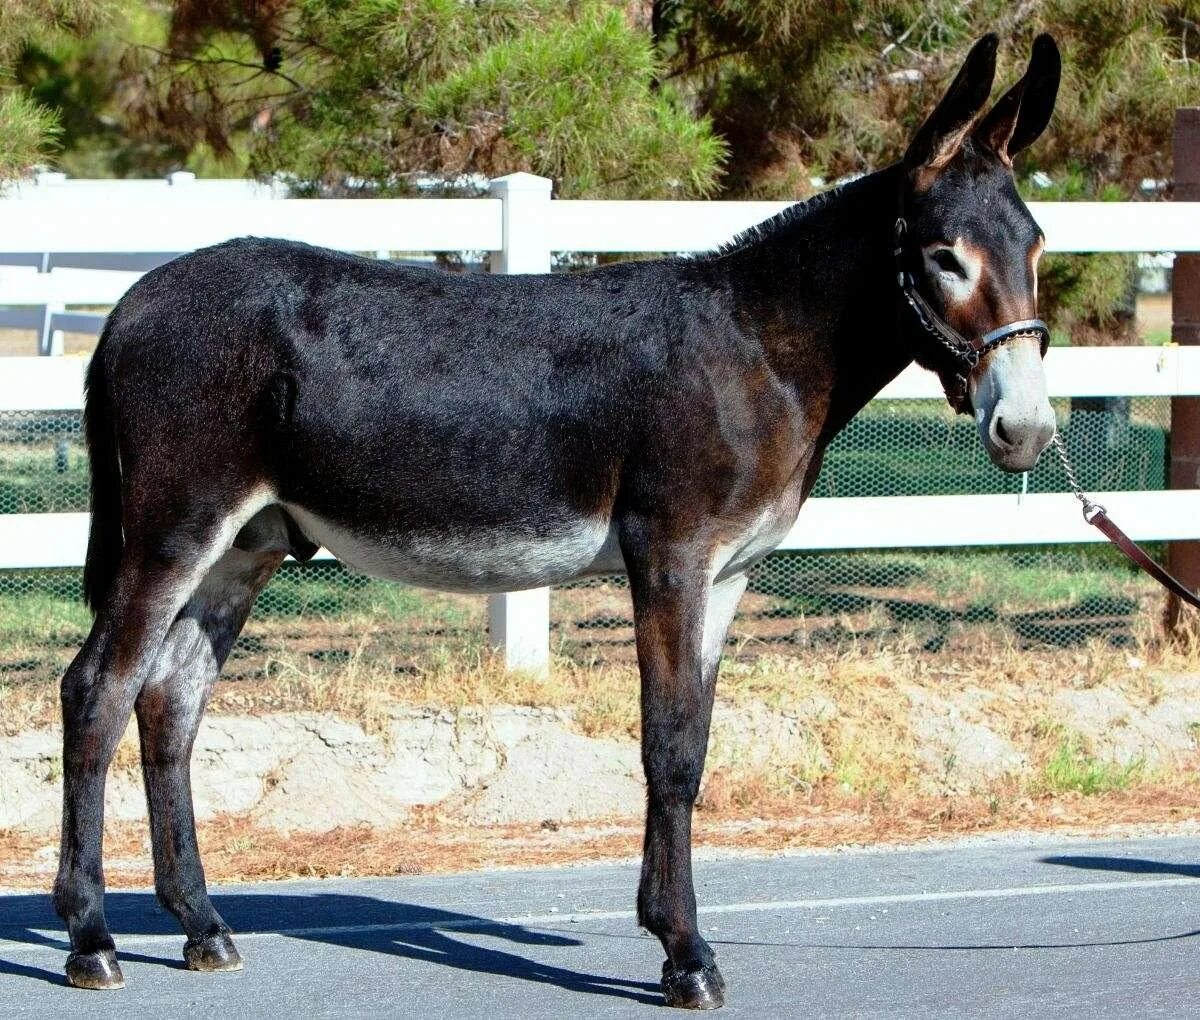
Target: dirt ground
(23, 343)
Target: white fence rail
(57, 238)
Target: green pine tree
(28, 129)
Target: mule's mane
(782, 222)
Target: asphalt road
(1081, 928)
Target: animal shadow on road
(354, 922)
(1129, 865)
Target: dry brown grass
(27, 707)
(603, 695)
(367, 687)
(866, 747)
(236, 850)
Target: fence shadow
(362, 923)
(1110, 618)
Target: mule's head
(975, 245)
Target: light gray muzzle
(1012, 409)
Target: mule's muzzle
(1012, 409)
(1015, 439)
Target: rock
(956, 754)
(34, 746)
(125, 797)
(335, 733)
(1119, 730)
(233, 755)
(754, 735)
(311, 771)
(315, 794)
(25, 798)
(556, 775)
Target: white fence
(57, 236)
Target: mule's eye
(948, 262)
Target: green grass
(33, 600)
(328, 589)
(318, 619)
(911, 448)
(1004, 580)
(1071, 769)
(30, 482)
(1022, 581)
(315, 625)
(41, 616)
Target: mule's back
(460, 431)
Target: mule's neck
(817, 284)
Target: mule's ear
(939, 138)
(1023, 112)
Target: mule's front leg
(681, 623)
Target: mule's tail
(105, 539)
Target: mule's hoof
(693, 989)
(213, 952)
(98, 970)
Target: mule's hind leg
(98, 693)
(157, 575)
(96, 702)
(169, 708)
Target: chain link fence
(938, 600)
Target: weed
(1073, 769)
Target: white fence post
(519, 622)
(50, 340)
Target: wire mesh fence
(937, 599)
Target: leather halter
(955, 355)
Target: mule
(478, 433)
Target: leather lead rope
(1098, 518)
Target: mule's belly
(471, 559)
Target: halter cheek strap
(959, 355)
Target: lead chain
(1090, 509)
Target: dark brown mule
(480, 433)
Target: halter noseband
(964, 355)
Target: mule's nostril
(1002, 433)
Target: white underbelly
(475, 559)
